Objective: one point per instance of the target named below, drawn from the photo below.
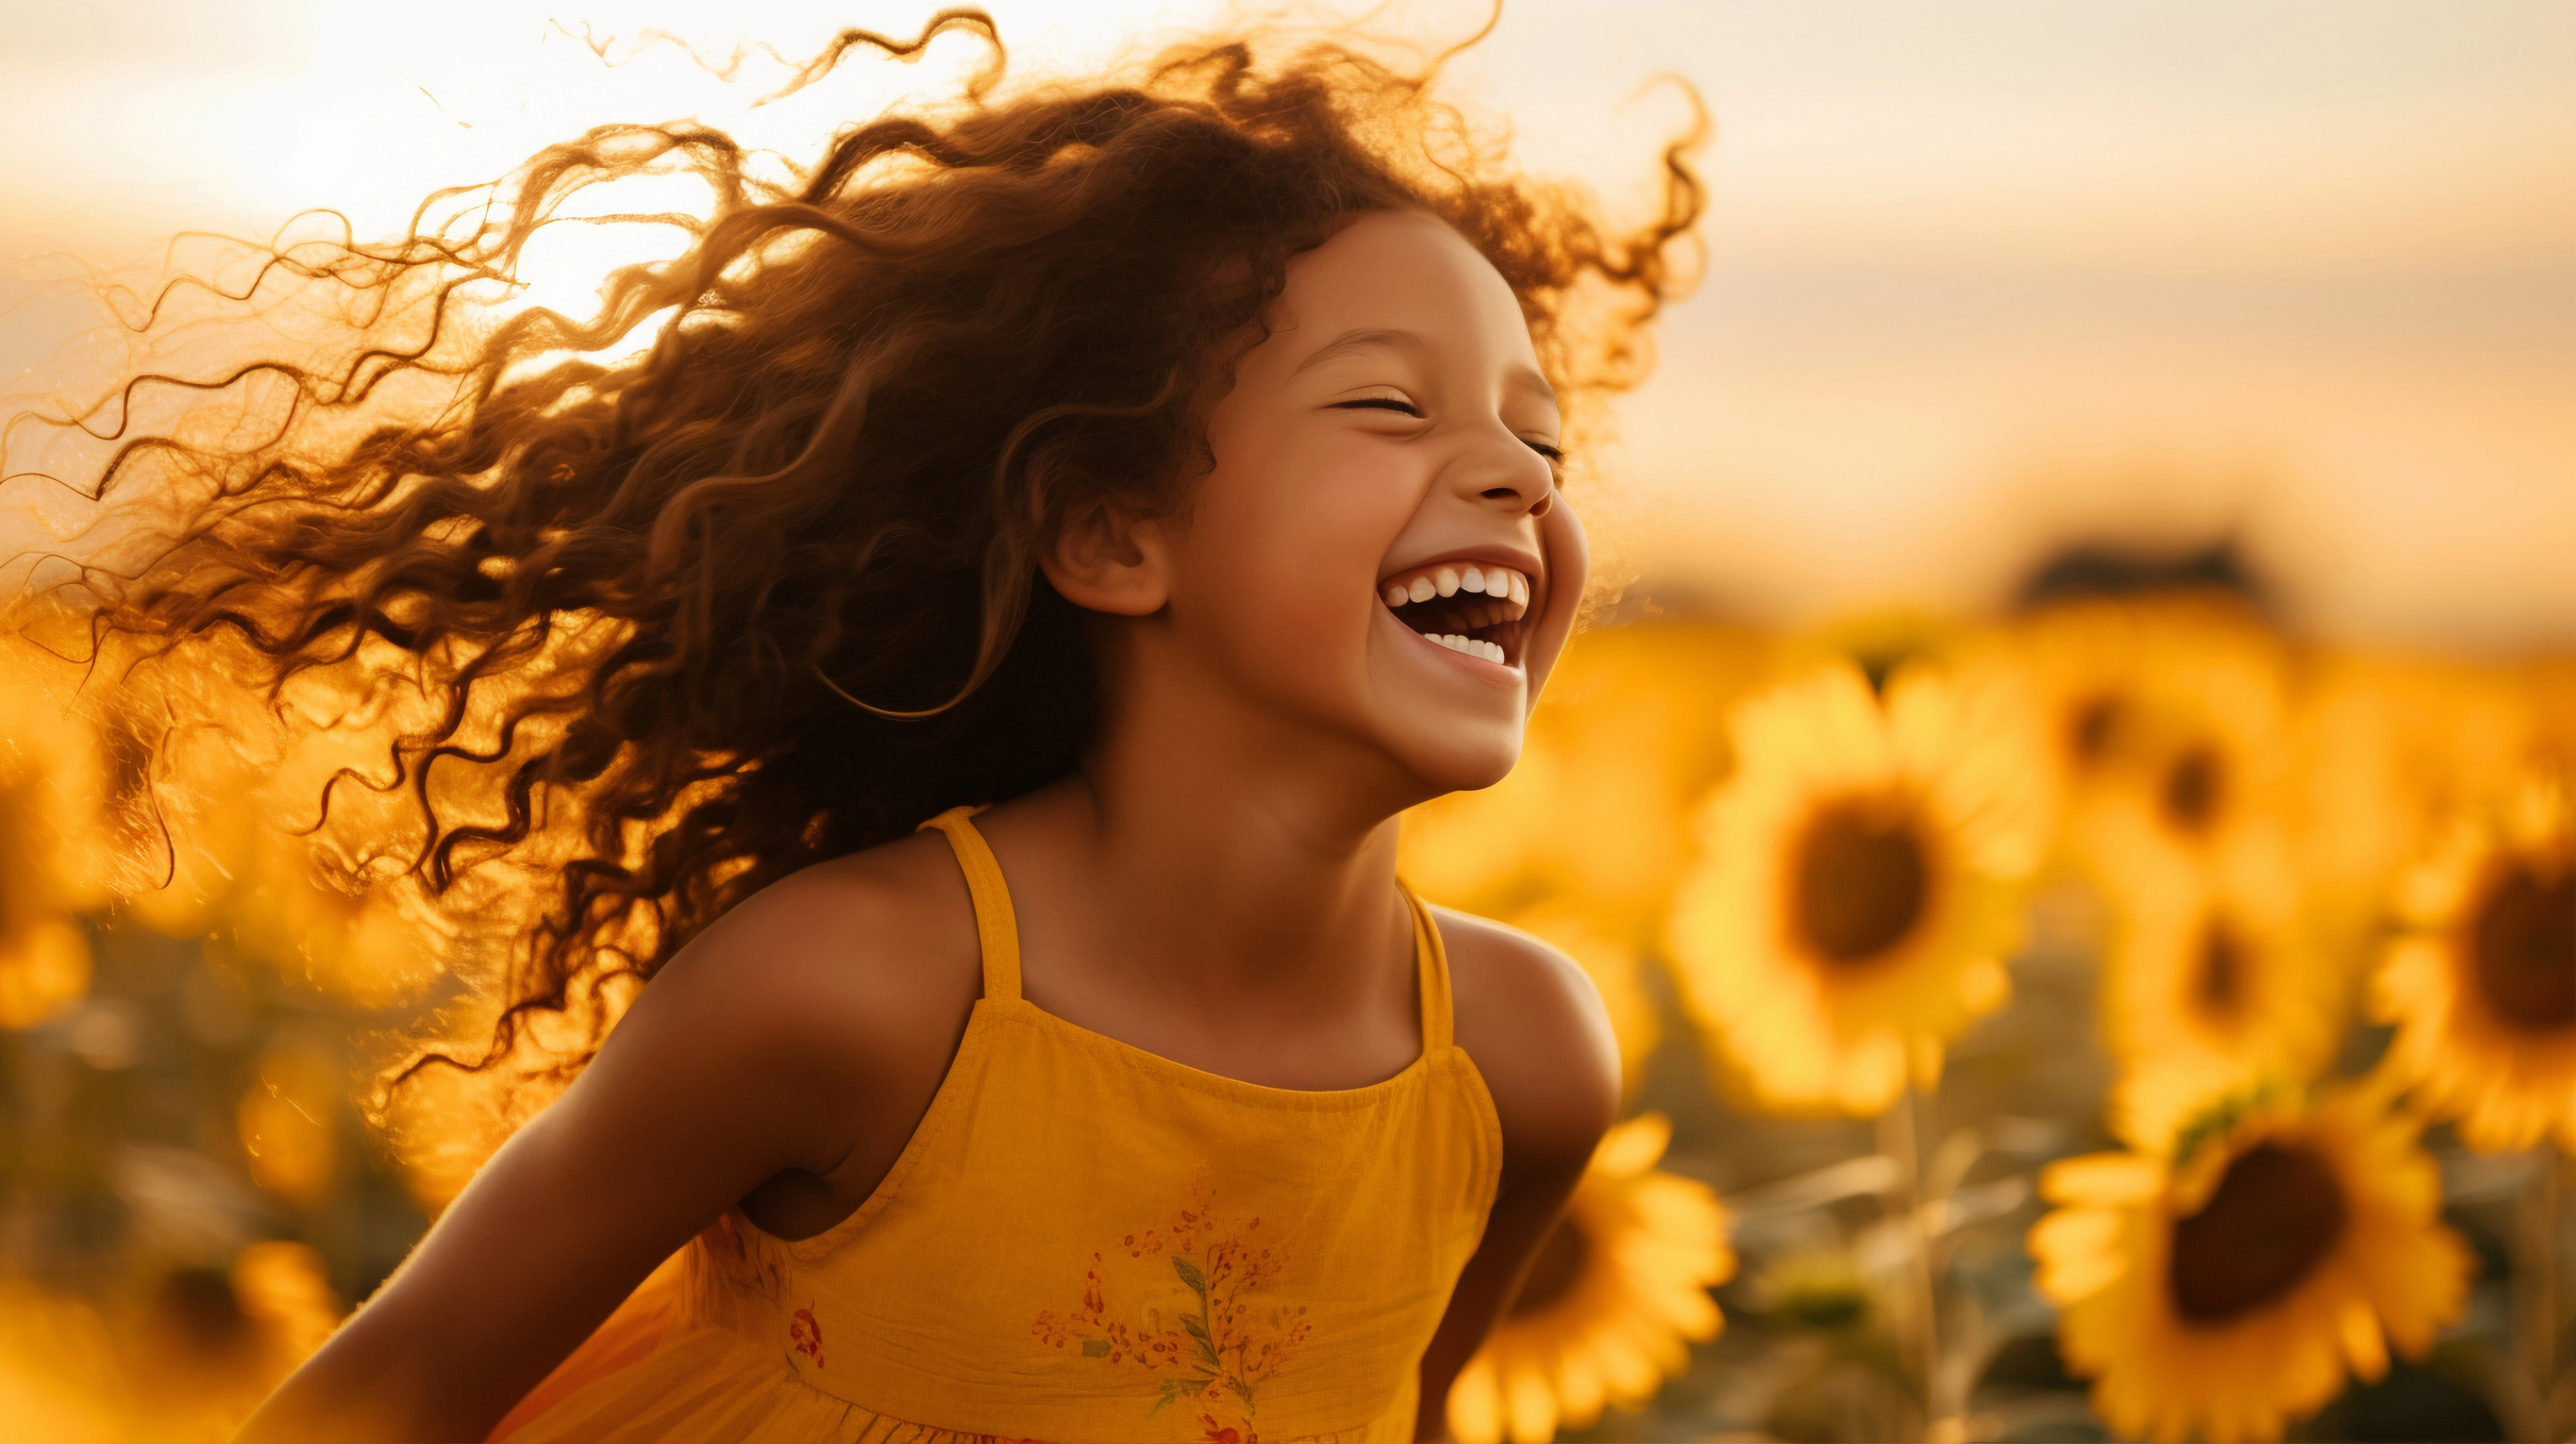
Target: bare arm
(770, 1044)
(1536, 1029)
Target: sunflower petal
(1476, 1403)
(2101, 1179)
(1529, 1405)
(2364, 1347)
(1631, 1148)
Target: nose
(1501, 471)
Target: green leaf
(1175, 1390)
(1190, 1275)
(2219, 1117)
(1095, 1348)
(1207, 1346)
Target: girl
(982, 649)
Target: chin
(1452, 763)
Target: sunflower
(2218, 741)
(2230, 1284)
(1880, 642)
(2482, 986)
(210, 1344)
(1859, 884)
(2213, 975)
(1610, 1302)
(46, 772)
(44, 955)
(2387, 750)
(1594, 815)
(2107, 666)
(2167, 715)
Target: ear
(1111, 558)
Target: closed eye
(1380, 403)
(1403, 407)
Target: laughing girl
(982, 648)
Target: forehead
(1401, 271)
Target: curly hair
(766, 592)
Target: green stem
(2546, 1264)
(1918, 1340)
(2536, 1220)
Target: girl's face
(1381, 550)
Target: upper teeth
(1449, 579)
(1490, 651)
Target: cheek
(1292, 545)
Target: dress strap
(1432, 961)
(997, 928)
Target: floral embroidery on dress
(1211, 1339)
(805, 1334)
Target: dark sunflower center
(2523, 946)
(2273, 1217)
(200, 1307)
(2219, 986)
(2090, 730)
(1552, 1274)
(1862, 881)
(2195, 788)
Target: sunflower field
(2116, 1022)
(2113, 1021)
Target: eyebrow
(1370, 339)
(1361, 340)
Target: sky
(1985, 278)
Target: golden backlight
(2043, 1014)
(1984, 276)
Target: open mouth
(1474, 608)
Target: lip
(1518, 559)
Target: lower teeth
(1490, 651)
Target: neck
(1231, 853)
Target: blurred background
(2139, 437)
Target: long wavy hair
(765, 592)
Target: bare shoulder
(876, 947)
(1536, 1029)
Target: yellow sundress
(1081, 1241)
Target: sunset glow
(1986, 276)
